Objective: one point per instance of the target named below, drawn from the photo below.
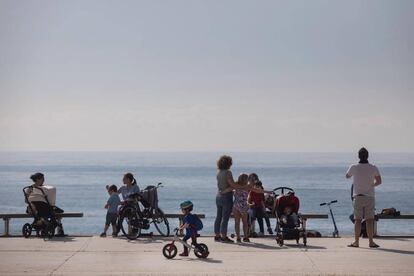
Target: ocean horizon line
(208, 152)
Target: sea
(81, 177)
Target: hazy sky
(207, 75)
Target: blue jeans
(224, 204)
(259, 214)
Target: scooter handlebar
(328, 203)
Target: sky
(271, 76)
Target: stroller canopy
(287, 200)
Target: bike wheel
(130, 223)
(169, 251)
(161, 223)
(27, 230)
(201, 251)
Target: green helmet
(186, 204)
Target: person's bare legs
(237, 223)
(357, 230)
(370, 232)
(245, 226)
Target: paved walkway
(108, 256)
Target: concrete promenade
(118, 256)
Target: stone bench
(8, 217)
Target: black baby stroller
(289, 225)
(44, 215)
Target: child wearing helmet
(191, 224)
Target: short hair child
(112, 213)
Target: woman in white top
(37, 199)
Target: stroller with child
(44, 215)
(289, 224)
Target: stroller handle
(283, 189)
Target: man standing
(365, 178)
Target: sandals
(371, 245)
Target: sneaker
(226, 239)
(184, 254)
(103, 235)
(269, 230)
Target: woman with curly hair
(224, 198)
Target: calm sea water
(80, 178)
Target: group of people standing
(245, 199)
(247, 206)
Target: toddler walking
(112, 213)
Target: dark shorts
(111, 218)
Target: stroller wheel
(169, 251)
(27, 230)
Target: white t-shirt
(364, 178)
(37, 195)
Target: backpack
(198, 224)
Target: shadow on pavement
(145, 241)
(61, 239)
(306, 247)
(258, 245)
(398, 251)
(208, 260)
